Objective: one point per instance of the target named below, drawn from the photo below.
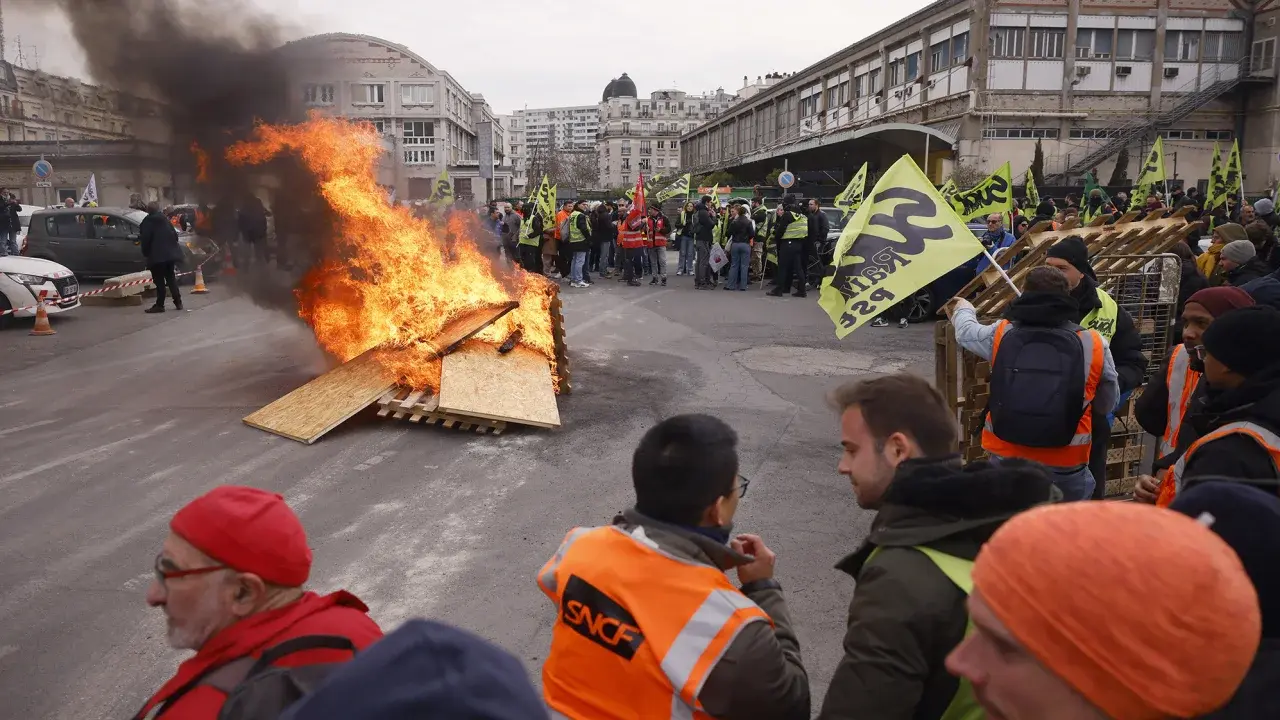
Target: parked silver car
(103, 242)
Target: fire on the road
(389, 279)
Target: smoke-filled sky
(519, 53)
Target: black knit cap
(1246, 340)
(1073, 250)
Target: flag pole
(1003, 274)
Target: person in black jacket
(159, 242)
(704, 224)
(602, 234)
(1240, 261)
(1242, 367)
(253, 232)
(819, 227)
(10, 224)
(1071, 256)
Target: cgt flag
(903, 237)
(993, 195)
(1152, 173)
(676, 189)
(849, 200)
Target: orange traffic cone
(42, 320)
(228, 268)
(199, 288)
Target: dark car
(103, 242)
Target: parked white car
(22, 279)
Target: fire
(390, 280)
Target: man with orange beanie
(229, 580)
(1076, 630)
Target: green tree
(1120, 175)
(718, 177)
(1037, 165)
(772, 178)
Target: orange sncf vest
(1077, 453)
(1264, 437)
(638, 630)
(1181, 381)
(632, 238)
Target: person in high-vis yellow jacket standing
(648, 623)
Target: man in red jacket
(229, 580)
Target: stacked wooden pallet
(421, 406)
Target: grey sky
(555, 52)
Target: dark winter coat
(703, 224)
(819, 226)
(158, 240)
(906, 615)
(1126, 344)
(1193, 281)
(1236, 455)
(1247, 272)
(1264, 290)
(11, 220)
(253, 221)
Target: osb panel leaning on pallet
(1122, 257)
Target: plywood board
(478, 381)
(461, 329)
(314, 409)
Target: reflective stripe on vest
(1076, 453)
(1103, 318)
(1264, 437)
(575, 233)
(1181, 381)
(798, 229)
(963, 705)
(638, 631)
(631, 237)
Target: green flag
(1087, 212)
(1033, 193)
(1152, 173)
(1233, 177)
(1216, 194)
(948, 189)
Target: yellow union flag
(903, 237)
(851, 197)
(443, 194)
(993, 195)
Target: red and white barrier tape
(61, 299)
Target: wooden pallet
(562, 347)
(418, 406)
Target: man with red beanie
(1176, 390)
(229, 580)
(1076, 630)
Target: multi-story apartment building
(38, 107)
(517, 153)
(564, 128)
(981, 82)
(643, 135)
(434, 123)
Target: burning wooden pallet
(481, 386)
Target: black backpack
(1037, 387)
(258, 691)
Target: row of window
(662, 127)
(1097, 134)
(645, 164)
(1106, 44)
(369, 94)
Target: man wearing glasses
(648, 623)
(229, 580)
(1174, 392)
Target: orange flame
(202, 163)
(390, 280)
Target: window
(960, 48)
(913, 66)
(626, 147)
(1092, 133)
(626, 111)
(1264, 55)
(895, 73)
(317, 94)
(662, 127)
(419, 132)
(417, 94)
(64, 226)
(1178, 134)
(1182, 45)
(673, 144)
(859, 87)
(1135, 44)
(462, 187)
(1006, 42)
(877, 81)
(1218, 135)
(626, 163)
(380, 126)
(662, 144)
(809, 106)
(938, 56)
(1020, 133)
(645, 165)
(662, 162)
(1093, 43)
(646, 127)
(1221, 46)
(112, 228)
(646, 147)
(373, 93)
(626, 179)
(1046, 43)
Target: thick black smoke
(215, 70)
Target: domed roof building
(619, 87)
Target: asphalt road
(111, 425)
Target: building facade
(516, 153)
(642, 135)
(434, 124)
(565, 128)
(981, 82)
